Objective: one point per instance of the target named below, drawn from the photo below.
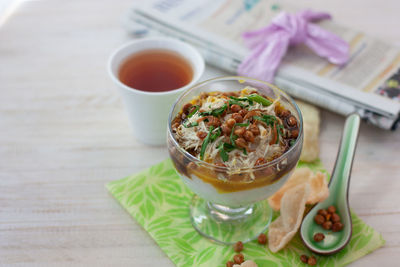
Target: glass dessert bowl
(234, 142)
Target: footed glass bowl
(230, 207)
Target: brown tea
(156, 71)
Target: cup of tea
(150, 74)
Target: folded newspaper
(368, 84)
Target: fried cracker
(319, 190)
(282, 230)
(311, 121)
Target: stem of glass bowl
(226, 214)
(227, 225)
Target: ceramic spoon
(338, 197)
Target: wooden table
(64, 135)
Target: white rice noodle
(237, 161)
(212, 150)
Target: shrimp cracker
(282, 230)
(311, 121)
(248, 263)
(319, 190)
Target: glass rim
(227, 78)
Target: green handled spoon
(338, 197)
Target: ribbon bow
(268, 45)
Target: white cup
(148, 111)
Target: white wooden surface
(64, 134)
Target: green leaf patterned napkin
(158, 200)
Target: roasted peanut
(294, 133)
(262, 239)
(238, 258)
(304, 258)
(337, 226)
(319, 219)
(201, 135)
(331, 209)
(213, 121)
(291, 121)
(238, 246)
(249, 136)
(239, 131)
(318, 237)
(230, 122)
(322, 212)
(327, 225)
(312, 261)
(240, 142)
(335, 218)
(284, 113)
(243, 112)
(226, 129)
(235, 108)
(254, 129)
(237, 117)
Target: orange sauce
(237, 182)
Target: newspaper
(368, 84)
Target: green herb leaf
(238, 98)
(259, 99)
(291, 143)
(205, 143)
(196, 108)
(215, 135)
(189, 125)
(224, 149)
(234, 102)
(233, 138)
(242, 124)
(280, 129)
(228, 147)
(268, 119)
(215, 112)
(224, 156)
(242, 99)
(245, 151)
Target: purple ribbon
(268, 45)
